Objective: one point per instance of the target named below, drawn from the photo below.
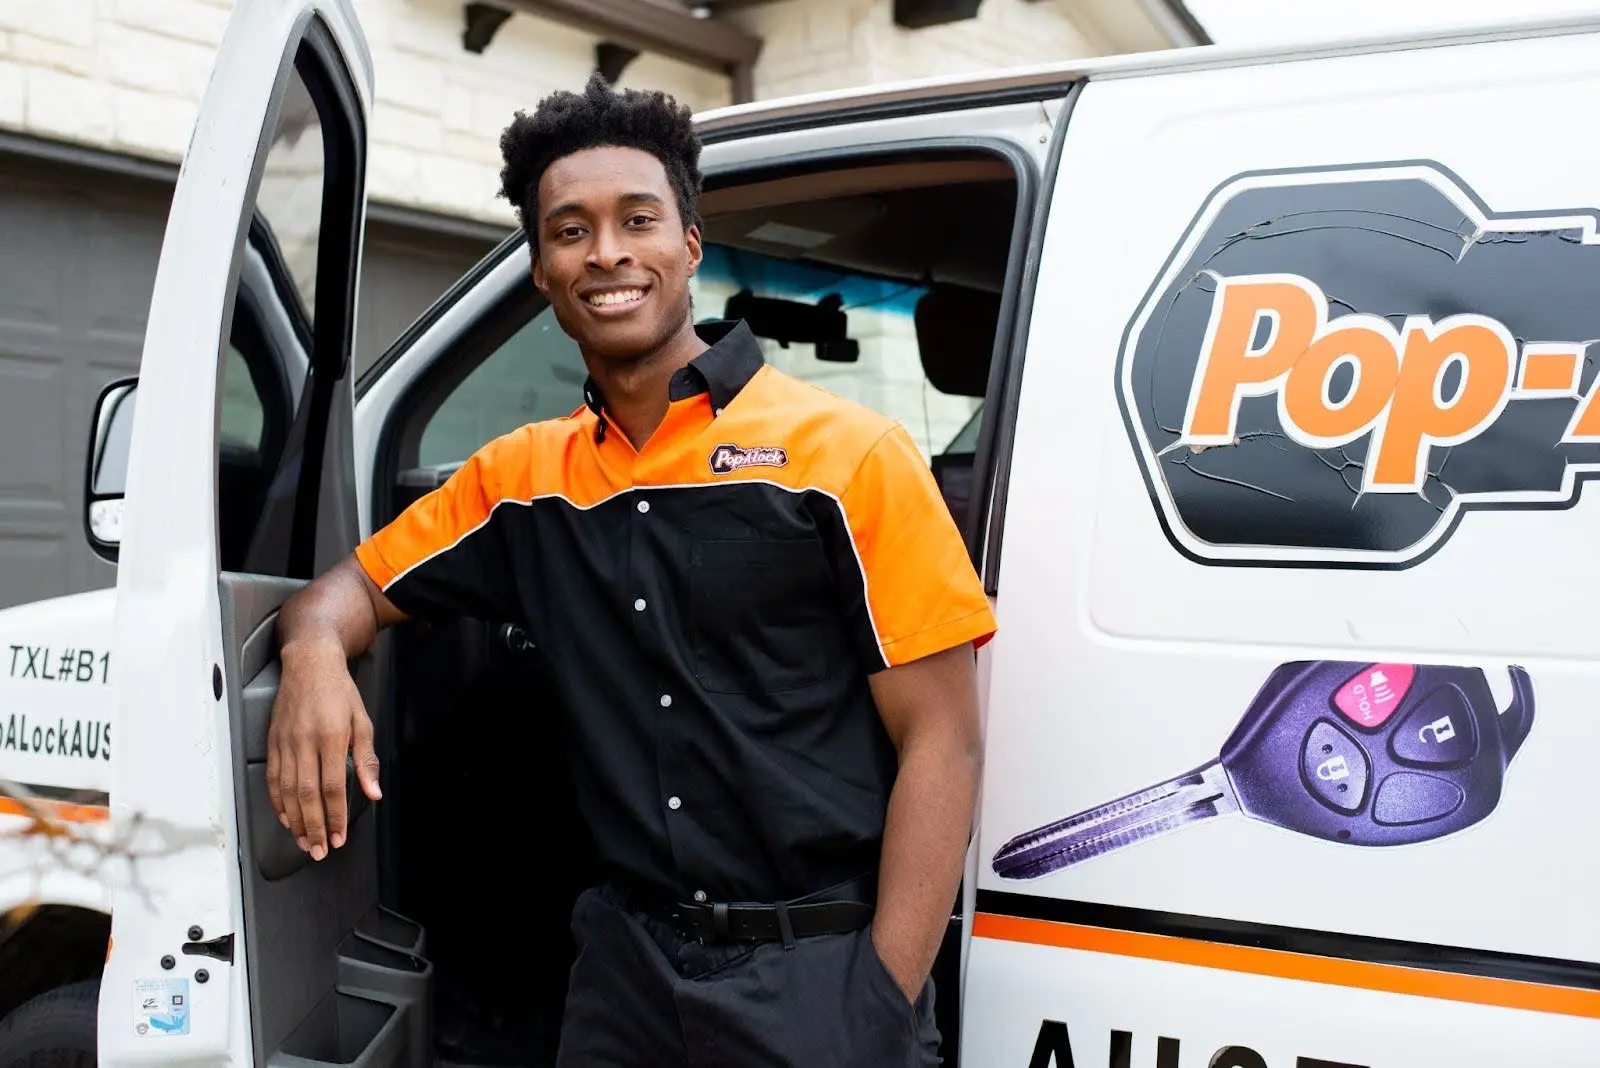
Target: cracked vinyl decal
(1337, 366)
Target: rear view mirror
(822, 324)
(106, 470)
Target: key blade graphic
(1355, 753)
(1147, 813)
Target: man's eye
(641, 220)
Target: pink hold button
(1372, 696)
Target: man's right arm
(318, 716)
(441, 558)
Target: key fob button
(1407, 797)
(1335, 767)
(1440, 731)
(1373, 695)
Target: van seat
(955, 335)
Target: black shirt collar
(722, 370)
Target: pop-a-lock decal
(1337, 366)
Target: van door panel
(299, 911)
(251, 603)
(1130, 649)
(247, 950)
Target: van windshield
(882, 370)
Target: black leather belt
(724, 922)
(836, 910)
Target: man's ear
(691, 238)
(540, 282)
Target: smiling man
(760, 618)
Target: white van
(1261, 385)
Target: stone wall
(128, 74)
(817, 45)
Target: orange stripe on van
(1281, 964)
(59, 810)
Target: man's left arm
(930, 709)
(921, 610)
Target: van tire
(57, 1029)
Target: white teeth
(623, 296)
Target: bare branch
(86, 849)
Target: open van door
(229, 945)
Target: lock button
(1440, 732)
(1335, 767)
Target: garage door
(76, 269)
(404, 269)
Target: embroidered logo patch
(729, 458)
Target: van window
(538, 374)
(266, 365)
(242, 414)
(885, 373)
(845, 284)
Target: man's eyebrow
(568, 206)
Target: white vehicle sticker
(161, 1006)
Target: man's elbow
(957, 735)
(336, 605)
(969, 746)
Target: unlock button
(1440, 731)
(1334, 767)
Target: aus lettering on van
(60, 665)
(1053, 1049)
(1336, 366)
(75, 738)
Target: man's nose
(610, 249)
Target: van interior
(478, 839)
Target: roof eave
(1209, 57)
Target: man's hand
(318, 717)
(930, 710)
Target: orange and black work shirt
(711, 607)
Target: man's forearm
(334, 610)
(926, 833)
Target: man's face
(614, 256)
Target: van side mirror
(106, 470)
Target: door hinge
(221, 948)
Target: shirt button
(666, 700)
(699, 895)
(644, 506)
(638, 606)
(674, 803)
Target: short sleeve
(919, 592)
(446, 555)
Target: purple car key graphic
(1364, 754)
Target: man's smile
(615, 299)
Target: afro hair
(599, 117)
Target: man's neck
(636, 393)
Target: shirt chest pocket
(762, 614)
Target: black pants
(642, 996)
